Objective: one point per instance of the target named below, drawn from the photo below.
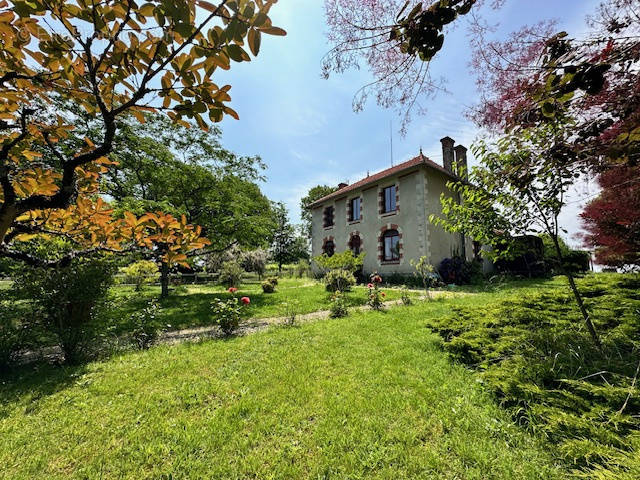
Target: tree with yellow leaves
(110, 58)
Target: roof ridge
(420, 159)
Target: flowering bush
(228, 313)
(338, 306)
(375, 296)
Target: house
(387, 214)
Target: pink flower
(233, 290)
(370, 285)
(245, 300)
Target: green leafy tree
(283, 244)
(185, 171)
(519, 188)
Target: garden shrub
(340, 261)
(146, 327)
(455, 270)
(268, 287)
(530, 351)
(68, 300)
(404, 296)
(231, 273)
(13, 331)
(138, 273)
(290, 312)
(339, 280)
(338, 307)
(228, 313)
(273, 281)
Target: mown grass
(529, 346)
(368, 396)
(190, 306)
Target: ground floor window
(329, 248)
(391, 245)
(355, 244)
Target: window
(355, 244)
(389, 199)
(354, 209)
(328, 217)
(391, 245)
(477, 247)
(329, 248)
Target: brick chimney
(342, 185)
(447, 153)
(461, 161)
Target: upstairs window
(354, 209)
(328, 217)
(391, 246)
(389, 199)
(329, 248)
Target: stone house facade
(387, 214)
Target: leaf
(237, 53)
(254, 41)
(273, 31)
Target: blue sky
(305, 129)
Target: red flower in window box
(245, 300)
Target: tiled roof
(414, 162)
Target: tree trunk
(164, 280)
(576, 294)
(7, 215)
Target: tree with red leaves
(536, 76)
(612, 220)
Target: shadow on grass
(26, 385)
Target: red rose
(245, 300)
(233, 290)
(370, 285)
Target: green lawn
(503, 383)
(368, 396)
(190, 306)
